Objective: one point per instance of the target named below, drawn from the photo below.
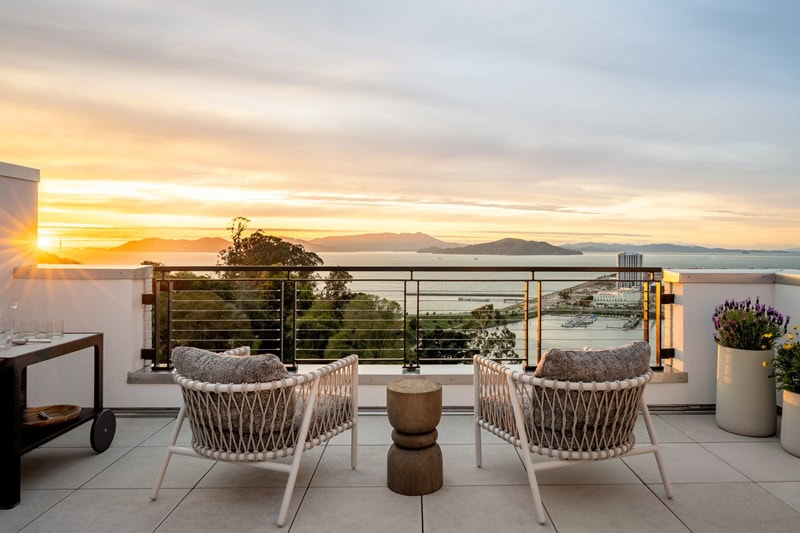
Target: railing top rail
(423, 268)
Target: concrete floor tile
(786, 491)
(358, 510)
(101, 511)
(685, 463)
(244, 509)
(665, 432)
(603, 508)
(33, 503)
(501, 466)
(603, 472)
(138, 469)
(229, 474)
(504, 508)
(162, 436)
(65, 468)
(704, 428)
(759, 461)
(334, 468)
(731, 507)
(372, 430)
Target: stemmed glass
(7, 323)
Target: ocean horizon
(588, 259)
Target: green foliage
(372, 327)
(440, 343)
(786, 364)
(268, 297)
(497, 344)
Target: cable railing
(409, 316)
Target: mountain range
(423, 243)
(666, 248)
(505, 247)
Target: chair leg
(168, 453)
(478, 449)
(537, 497)
(651, 431)
(287, 494)
(354, 444)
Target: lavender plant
(748, 326)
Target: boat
(579, 321)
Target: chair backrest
(258, 418)
(568, 420)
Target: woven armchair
(571, 422)
(255, 423)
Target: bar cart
(17, 440)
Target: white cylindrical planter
(790, 423)
(745, 393)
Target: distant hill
(155, 244)
(664, 248)
(376, 242)
(505, 247)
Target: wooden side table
(414, 462)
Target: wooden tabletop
(413, 386)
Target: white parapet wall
(19, 218)
(91, 299)
(690, 329)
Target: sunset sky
(634, 121)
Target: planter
(745, 393)
(790, 423)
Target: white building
(626, 297)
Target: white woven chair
(572, 422)
(254, 423)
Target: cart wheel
(103, 428)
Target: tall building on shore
(629, 260)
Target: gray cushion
(203, 365)
(611, 364)
(246, 421)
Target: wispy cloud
(481, 119)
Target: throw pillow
(609, 364)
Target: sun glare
(47, 242)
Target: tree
(336, 292)
(497, 344)
(372, 327)
(267, 297)
(262, 249)
(440, 343)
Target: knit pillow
(610, 364)
(203, 365)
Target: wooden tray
(58, 414)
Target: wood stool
(414, 462)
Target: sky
(629, 121)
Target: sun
(46, 241)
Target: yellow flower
(768, 335)
(787, 346)
(764, 364)
(763, 346)
(790, 336)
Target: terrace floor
(722, 482)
